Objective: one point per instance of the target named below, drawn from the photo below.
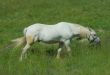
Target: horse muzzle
(96, 41)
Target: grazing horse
(61, 33)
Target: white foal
(61, 33)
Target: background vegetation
(85, 60)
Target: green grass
(85, 60)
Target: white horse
(61, 33)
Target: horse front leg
(61, 45)
(67, 45)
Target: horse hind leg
(29, 41)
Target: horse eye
(94, 34)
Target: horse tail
(21, 40)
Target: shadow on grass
(51, 52)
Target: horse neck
(84, 32)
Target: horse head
(93, 37)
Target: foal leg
(29, 41)
(61, 44)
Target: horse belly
(49, 36)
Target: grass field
(85, 60)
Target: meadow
(15, 15)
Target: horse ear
(90, 29)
